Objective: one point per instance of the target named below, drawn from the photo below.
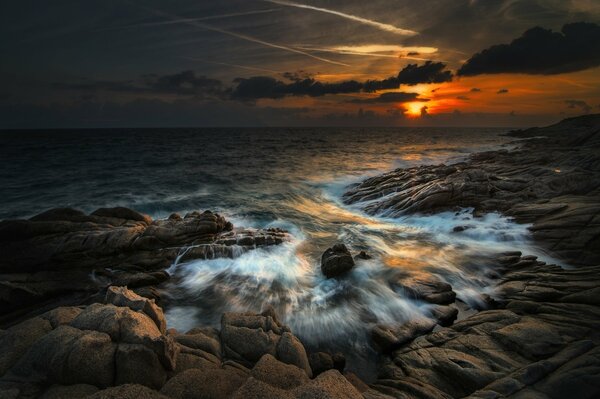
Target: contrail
(250, 68)
(183, 20)
(378, 25)
(246, 37)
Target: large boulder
(121, 296)
(209, 383)
(279, 374)
(336, 261)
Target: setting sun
(413, 109)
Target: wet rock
(551, 183)
(362, 255)
(388, 338)
(65, 257)
(17, 340)
(429, 289)
(336, 261)
(445, 315)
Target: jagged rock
(121, 296)
(336, 261)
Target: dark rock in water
(362, 255)
(429, 289)
(445, 315)
(336, 261)
(339, 361)
(320, 362)
(388, 338)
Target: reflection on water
(288, 178)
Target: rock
(290, 350)
(137, 364)
(339, 361)
(121, 296)
(122, 213)
(256, 389)
(69, 391)
(213, 383)
(246, 337)
(200, 341)
(357, 382)
(331, 385)
(69, 356)
(429, 289)
(66, 258)
(127, 326)
(445, 315)
(278, 374)
(17, 340)
(128, 391)
(550, 182)
(320, 362)
(362, 255)
(388, 338)
(336, 261)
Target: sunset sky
(308, 63)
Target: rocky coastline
(81, 313)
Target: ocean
(290, 178)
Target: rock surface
(542, 342)
(336, 261)
(65, 257)
(552, 182)
(119, 349)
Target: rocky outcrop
(120, 349)
(552, 182)
(542, 341)
(336, 261)
(65, 257)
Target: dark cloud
(249, 89)
(475, 90)
(424, 113)
(413, 74)
(182, 83)
(392, 97)
(502, 91)
(541, 51)
(254, 88)
(464, 98)
(579, 104)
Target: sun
(413, 109)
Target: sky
(183, 63)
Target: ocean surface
(288, 178)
